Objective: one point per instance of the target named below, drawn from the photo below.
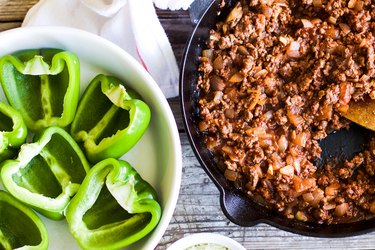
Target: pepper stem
(36, 66)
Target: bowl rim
(205, 238)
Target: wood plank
(14, 10)
(177, 26)
(9, 25)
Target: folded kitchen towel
(131, 24)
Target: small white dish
(207, 241)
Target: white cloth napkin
(173, 4)
(131, 24)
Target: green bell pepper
(113, 208)
(20, 227)
(47, 172)
(43, 85)
(110, 119)
(13, 131)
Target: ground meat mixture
(274, 80)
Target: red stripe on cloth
(140, 58)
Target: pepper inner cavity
(115, 119)
(45, 92)
(38, 177)
(52, 88)
(68, 164)
(105, 210)
(45, 174)
(24, 232)
(104, 120)
(6, 123)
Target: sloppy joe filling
(274, 80)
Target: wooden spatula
(362, 113)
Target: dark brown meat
(275, 77)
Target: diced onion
(218, 96)
(318, 196)
(217, 83)
(236, 77)
(294, 119)
(308, 197)
(211, 144)
(231, 175)
(257, 131)
(218, 63)
(267, 11)
(341, 209)
(203, 126)
(332, 20)
(229, 113)
(372, 207)
(297, 166)
(293, 50)
(301, 139)
(268, 115)
(316, 21)
(332, 189)
(282, 143)
(351, 4)
(287, 170)
(317, 3)
(359, 6)
(229, 151)
(235, 15)
(208, 53)
(344, 28)
(306, 23)
(284, 40)
(242, 50)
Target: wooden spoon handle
(362, 112)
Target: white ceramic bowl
(206, 241)
(157, 156)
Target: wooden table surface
(198, 208)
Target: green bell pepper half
(110, 119)
(20, 227)
(47, 172)
(43, 85)
(113, 208)
(13, 131)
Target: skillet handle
(240, 209)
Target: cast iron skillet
(238, 208)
